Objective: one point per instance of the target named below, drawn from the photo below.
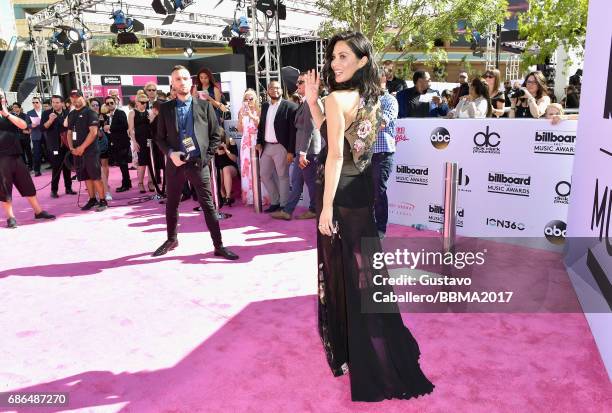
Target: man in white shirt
(276, 145)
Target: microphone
(183, 157)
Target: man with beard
(188, 133)
(276, 144)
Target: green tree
(552, 23)
(108, 47)
(410, 25)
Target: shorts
(88, 167)
(14, 172)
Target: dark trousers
(381, 169)
(59, 168)
(199, 177)
(298, 177)
(126, 182)
(26, 148)
(37, 154)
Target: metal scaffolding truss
(513, 67)
(265, 33)
(41, 64)
(490, 62)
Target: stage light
(169, 8)
(69, 39)
(125, 27)
(270, 7)
(189, 51)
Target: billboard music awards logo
(487, 142)
(555, 232)
(436, 215)
(400, 134)
(505, 224)
(440, 138)
(608, 102)
(463, 181)
(412, 174)
(554, 143)
(509, 183)
(562, 191)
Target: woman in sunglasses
(498, 97)
(532, 99)
(248, 121)
(140, 132)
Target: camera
(516, 94)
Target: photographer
(12, 169)
(532, 99)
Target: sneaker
(307, 215)
(281, 215)
(69, 191)
(108, 197)
(44, 215)
(11, 223)
(102, 205)
(90, 204)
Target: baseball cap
(76, 92)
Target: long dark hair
(366, 79)
(541, 82)
(481, 87)
(211, 79)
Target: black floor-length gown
(376, 349)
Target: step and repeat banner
(514, 175)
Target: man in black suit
(188, 133)
(53, 123)
(119, 151)
(276, 144)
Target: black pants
(382, 164)
(199, 177)
(37, 154)
(26, 148)
(121, 157)
(59, 168)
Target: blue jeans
(37, 154)
(298, 177)
(381, 169)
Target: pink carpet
(86, 310)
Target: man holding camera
(188, 133)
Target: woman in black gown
(377, 350)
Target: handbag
(103, 143)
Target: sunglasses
(249, 99)
(110, 103)
(144, 102)
(94, 104)
(35, 102)
(151, 90)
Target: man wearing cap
(188, 133)
(82, 135)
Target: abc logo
(487, 139)
(555, 232)
(440, 138)
(563, 188)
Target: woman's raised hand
(312, 86)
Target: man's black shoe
(11, 223)
(102, 205)
(44, 215)
(122, 189)
(272, 208)
(168, 245)
(54, 194)
(70, 192)
(90, 204)
(225, 253)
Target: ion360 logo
(555, 232)
(505, 224)
(440, 138)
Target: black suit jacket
(119, 138)
(284, 125)
(205, 126)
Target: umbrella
(26, 87)
(289, 76)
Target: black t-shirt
(79, 122)
(9, 138)
(395, 85)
